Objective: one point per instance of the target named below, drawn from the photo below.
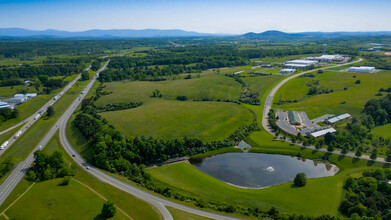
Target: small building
(322, 132)
(31, 95)
(362, 69)
(287, 71)
(26, 81)
(294, 118)
(4, 105)
(25, 95)
(300, 63)
(17, 100)
(337, 118)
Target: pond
(255, 170)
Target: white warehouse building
(287, 71)
(300, 63)
(362, 69)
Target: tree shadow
(386, 165)
(355, 159)
(370, 162)
(314, 151)
(341, 157)
(99, 217)
(303, 148)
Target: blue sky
(213, 16)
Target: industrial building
(329, 58)
(294, 118)
(287, 71)
(322, 132)
(362, 69)
(25, 95)
(300, 63)
(4, 105)
(17, 100)
(337, 118)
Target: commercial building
(17, 100)
(287, 71)
(329, 58)
(322, 132)
(300, 63)
(4, 105)
(25, 95)
(294, 118)
(362, 69)
(337, 118)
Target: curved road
(159, 202)
(269, 101)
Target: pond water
(255, 170)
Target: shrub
(300, 179)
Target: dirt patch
(387, 53)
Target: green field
(181, 215)
(209, 85)
(187, 180)
(383, 131)
(355, 96)
(47, 200)
(206, 120)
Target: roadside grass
(182, 215)
(218, 151)
(169, 118)
(74, 201)
(9, 134)
(319, 196)
(355, 96)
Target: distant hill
(130, 33)
(274, 35)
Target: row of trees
(379, 110)
(7, 113)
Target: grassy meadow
(347, 96)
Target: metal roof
(293, 117)
(323, 132)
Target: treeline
(379, 110)
(316, 90)
(246, 96)
(117, 106)
(368, 196)
(376, 61)
(8, 113)
(27, 72)
(47, 167)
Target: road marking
(104, 198)
(3, 213)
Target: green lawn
(209, 85)
(48, 200)
(206, 120)
(182, 215)
(355, 95)
(383, 131)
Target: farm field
(328, 190)
(74, 201)
(205, 120)
(350, 100)
(210, 85)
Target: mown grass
(383, 131)
(182, 215)
(165, 118)
(74, 201)
(319, 196)
(354, 97)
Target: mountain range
(151, 33)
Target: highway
(17, 174)
(31, 119)
(269, 101)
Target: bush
(108, 210)
(65, 181)
(181, 98)
(300, 179)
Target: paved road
(269, 101)
(17, 174)
(159, 202)
(31, 120)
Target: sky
(213, 16)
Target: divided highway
(33, 118)
(17, 174)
